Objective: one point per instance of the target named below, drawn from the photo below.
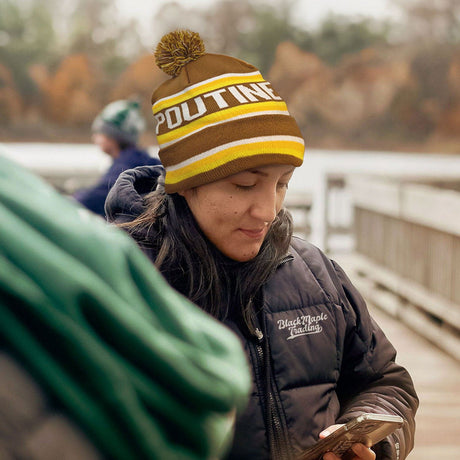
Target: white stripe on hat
(241, 142)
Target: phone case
(367, 429)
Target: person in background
(212, 221)
(99, 357)
(116, 132)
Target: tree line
(62, 61)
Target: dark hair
(194, 266)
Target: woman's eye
(244, 187)
(283, 185)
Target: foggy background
(356, 75)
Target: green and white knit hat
(120, 120)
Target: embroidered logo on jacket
(302, 325)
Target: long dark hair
(168, 232)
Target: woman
(215, 226)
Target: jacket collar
(125, 200)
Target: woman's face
(235, 213)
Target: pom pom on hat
(177, 49)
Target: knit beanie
(120, 120)
(217, 116)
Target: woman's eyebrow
(257, 171)
(264, 174)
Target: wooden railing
(407, 257)
(331, 216)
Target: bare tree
(432, 21)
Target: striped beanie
(217, 116)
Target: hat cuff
(234, 167)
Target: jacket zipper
(277, 435)
(285, 259)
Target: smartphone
(367, 429)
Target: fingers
(330, 456)
(360, 450)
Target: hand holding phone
(367, 429)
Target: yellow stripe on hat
(206, 86)
(214, 158)
(220, 122)
(222, 116)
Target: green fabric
(143, 371)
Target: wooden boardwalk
(436, 377)
(437, 381)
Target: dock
(406, 264)
(436, 376)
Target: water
(57, 158)
(79, 159)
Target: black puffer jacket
(319, 358)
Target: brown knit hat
(217, 116)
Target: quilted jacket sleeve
(371, 380)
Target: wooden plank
(406, 264)
(391, 243)
(434, 317)
(440, 253)
(420, 253)
(455, 295)
(414, 249)
(443, 206)
(436, 378)
(377, 230)
(408, 201)
(358, 228)
(375, 193)
(435, 333)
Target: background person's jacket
(318, 357)
(94, 197)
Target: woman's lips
(258, 233)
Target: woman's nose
(264, 206)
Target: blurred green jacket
(141, 371)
